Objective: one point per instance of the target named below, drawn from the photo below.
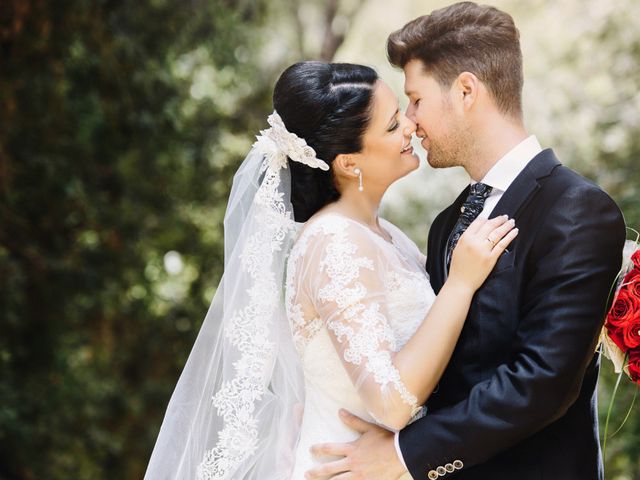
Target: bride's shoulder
(327, 222)
(331, 225)
(331, 228)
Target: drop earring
(358, 172)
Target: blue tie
(469, 211)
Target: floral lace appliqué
(249, 334)
(362, 327)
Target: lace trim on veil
(248, 331)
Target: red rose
(635, 258)
(632, 332)
(616, 334)
(623, 308)
(634, 365)
(633, 274)
(622, 312)
(634, 286)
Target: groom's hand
(372, 456)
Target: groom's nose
(411, 113)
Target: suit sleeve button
(433, 475)
(449, 468)
(441, 471)
(458, 465)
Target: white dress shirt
(505, 171)
(500, 177)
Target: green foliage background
(107, 162)
(121, 125)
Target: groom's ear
(467, 88)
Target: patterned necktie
(470, 210)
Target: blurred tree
(122, 124)
(336, 17)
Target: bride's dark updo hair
(329, 105)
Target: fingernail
(512, 221)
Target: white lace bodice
(353, 300)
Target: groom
(517, 400)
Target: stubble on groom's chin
(451, 151)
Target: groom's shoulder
(567, 183)
(567, 177)
(563, 176)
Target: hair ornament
(277, 143)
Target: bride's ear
(344, 165)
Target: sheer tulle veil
(236, 409)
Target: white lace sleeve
(346, 271)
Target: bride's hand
(478, 250)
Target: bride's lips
(407, 149)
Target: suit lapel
(526, 184)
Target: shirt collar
(505, 171)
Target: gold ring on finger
(493, 244)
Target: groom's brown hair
(465, 37)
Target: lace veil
(236, 409)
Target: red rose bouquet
(621, 334)
(620, 338)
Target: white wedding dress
(352, 299)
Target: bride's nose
(409, 127)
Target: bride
(323, 305)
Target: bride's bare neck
(361, 206)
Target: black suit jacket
(518, 399)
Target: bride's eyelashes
(394, 127)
